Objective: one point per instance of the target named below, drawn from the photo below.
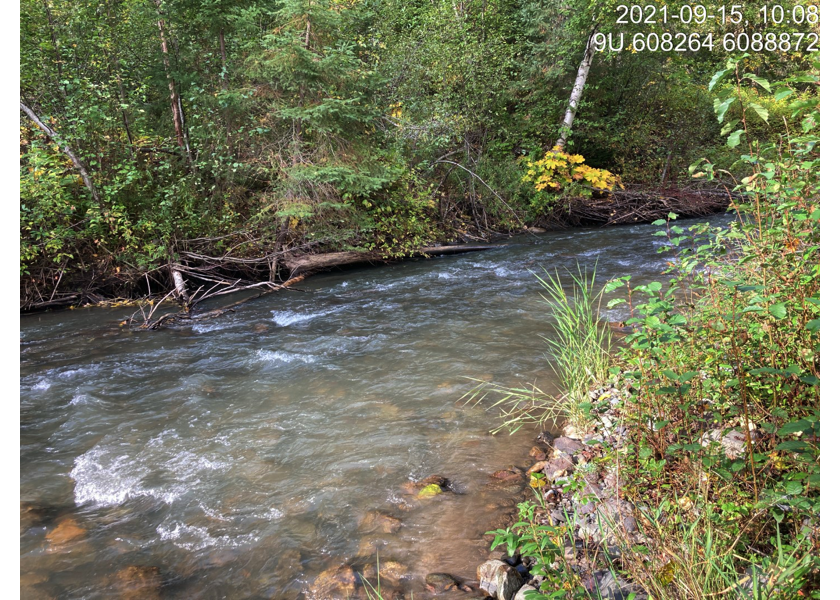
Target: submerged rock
(380, 521)
(437, 583)
(508, 475)
(65, 533)
(370, 545)
(416, 486)
(499, 579)
(389, 570)
(139, 583)
(336, 583)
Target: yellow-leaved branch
(557, 170)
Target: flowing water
(242, 456)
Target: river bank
(194, 271)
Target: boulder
(568, 445)
(499, 579)
(733, 442)
(520, 595)
(558, 466)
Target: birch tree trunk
(174, 97)
(577, 91)
(64, 148)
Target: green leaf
(759, 80)
(778, 310)
(794, 488)
(760, 111)
(717, 77)
(793, 446)
(801, 426)
(734, 138)
(782, 94)
(722, 107)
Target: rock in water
(511, 474)
(380, 521)
(392, 571)
(499, 579)
(65, 532)
(437, 583)
(438, 480)
(336, 583)
(546, 438)
(139, 583)
(537, 453)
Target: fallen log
(308, 263)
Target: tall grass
(578, 355)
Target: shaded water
(242, 456)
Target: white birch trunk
(577, 91)
(65, 148)
(180, 286)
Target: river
(241, 457)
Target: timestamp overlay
(753, 27)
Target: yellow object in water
(429, 491)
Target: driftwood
(308, 263)
(637, 204)
(189, 315)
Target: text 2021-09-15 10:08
(741, 39)
(698, 14)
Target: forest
(229, 138)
